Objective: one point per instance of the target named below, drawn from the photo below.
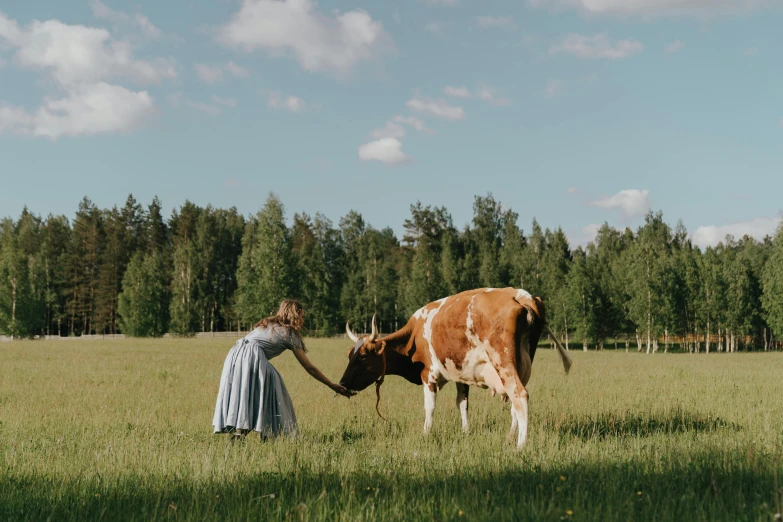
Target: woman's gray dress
(252, 394)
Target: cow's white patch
(523, 293)
(462, 404)
(429, 407)
(475, 370)
(435, 369)
(478, 365)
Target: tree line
(130, 270)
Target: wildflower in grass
(639, 493)
(569, 512)
(460, 512)
(562, 477)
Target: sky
(575, 112)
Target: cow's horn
(374, 334)
(351, 335)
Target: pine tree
(266, 270)
(603, 256)
(110, 271)
(185, 261)
(56, 238)
(424, 232)
(142, 304)
(532, 260)
(330, 245)
(511, 250)
(15, 292)
(712, 298)
(82, 268)
(772, 285)
(583, 299)
(554, 272)
(312, 285)
(352, 230)
(488, 229)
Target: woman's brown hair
(289, 314)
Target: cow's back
(460, 334)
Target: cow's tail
(563, 355)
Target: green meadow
(121, 430)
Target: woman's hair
(289, 314)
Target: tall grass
(120, 430)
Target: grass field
(120, 430)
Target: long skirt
(252, 394)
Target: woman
(252, 394)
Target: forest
(130, 270)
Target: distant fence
(199, 335)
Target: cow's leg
(519, 402)
(513, 429)
(462, 404)
(430, 391)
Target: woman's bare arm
(301, 356)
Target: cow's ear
(381, 347)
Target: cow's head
(365, 360)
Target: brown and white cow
(485, 337)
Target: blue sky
(573, 111)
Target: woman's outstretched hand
(342, 390)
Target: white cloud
(209, 73)
(483, 92)
(457, 92)
(214, 73)
(211, 110)
(276, 100)
(674, 46)
(414, 123)
(390, 130)
(488, 95)
(79, 60)
(435, 27)
(103, 12)
(487, 22)
(86, 110)
(75, 54)
(630, 202)
(437, 108)
(386, 150)
(147, 28)
(320, 43)
(651, 8)
(395, 128)
(597, 46)
(553, 87)
(228, 102)
(584, 236)
(440, 2)
(757, 228)
(235, 70)
(387, 146)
